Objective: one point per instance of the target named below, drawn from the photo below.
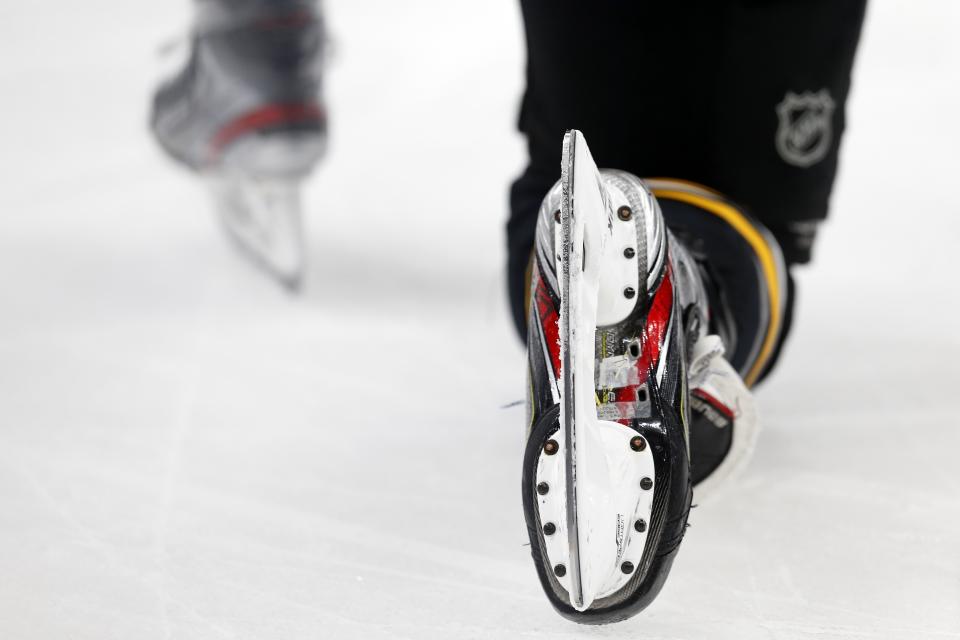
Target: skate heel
(605, 478)
(601, 558)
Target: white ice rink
(188, 452)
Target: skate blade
(606, 469)
(263, 217)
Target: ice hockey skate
(619, 337)
(245, 113)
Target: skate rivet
(627, 567)
(551, 447)
(646, 484)
(637, 443)
(629, 253)
(629, 292)
(556, 215)
(640, 525)
(560, 570)
(624, 213)
(543, 488)
(549, 529)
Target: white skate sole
(600, 474)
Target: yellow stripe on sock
(768, 264)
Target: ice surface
(188, 452)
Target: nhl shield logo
(806, 127)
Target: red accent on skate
(657, 320)
(713, 402)
(268, 116)
(651, 338)
(549, 318)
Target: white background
(186, 451)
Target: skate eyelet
(637, 443)
(549, 529)
(543, 488)
(640, 526)
(646, 484)
(560, 571)
(624, 213)
(642, 395)
(629, 253)
(551, 447)
(633, 349)
(629, 293)
(556, 215)
(627, 567)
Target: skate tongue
(609, 469)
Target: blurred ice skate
(244, 111)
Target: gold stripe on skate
(678, 183)
(768, 265)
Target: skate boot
(619, 341)
(749, 297)
(246, 113)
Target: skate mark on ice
(107, 551)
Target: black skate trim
(541, 378)
(711, 435)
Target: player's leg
(246, 112)
(744, 97)
(779, 111)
